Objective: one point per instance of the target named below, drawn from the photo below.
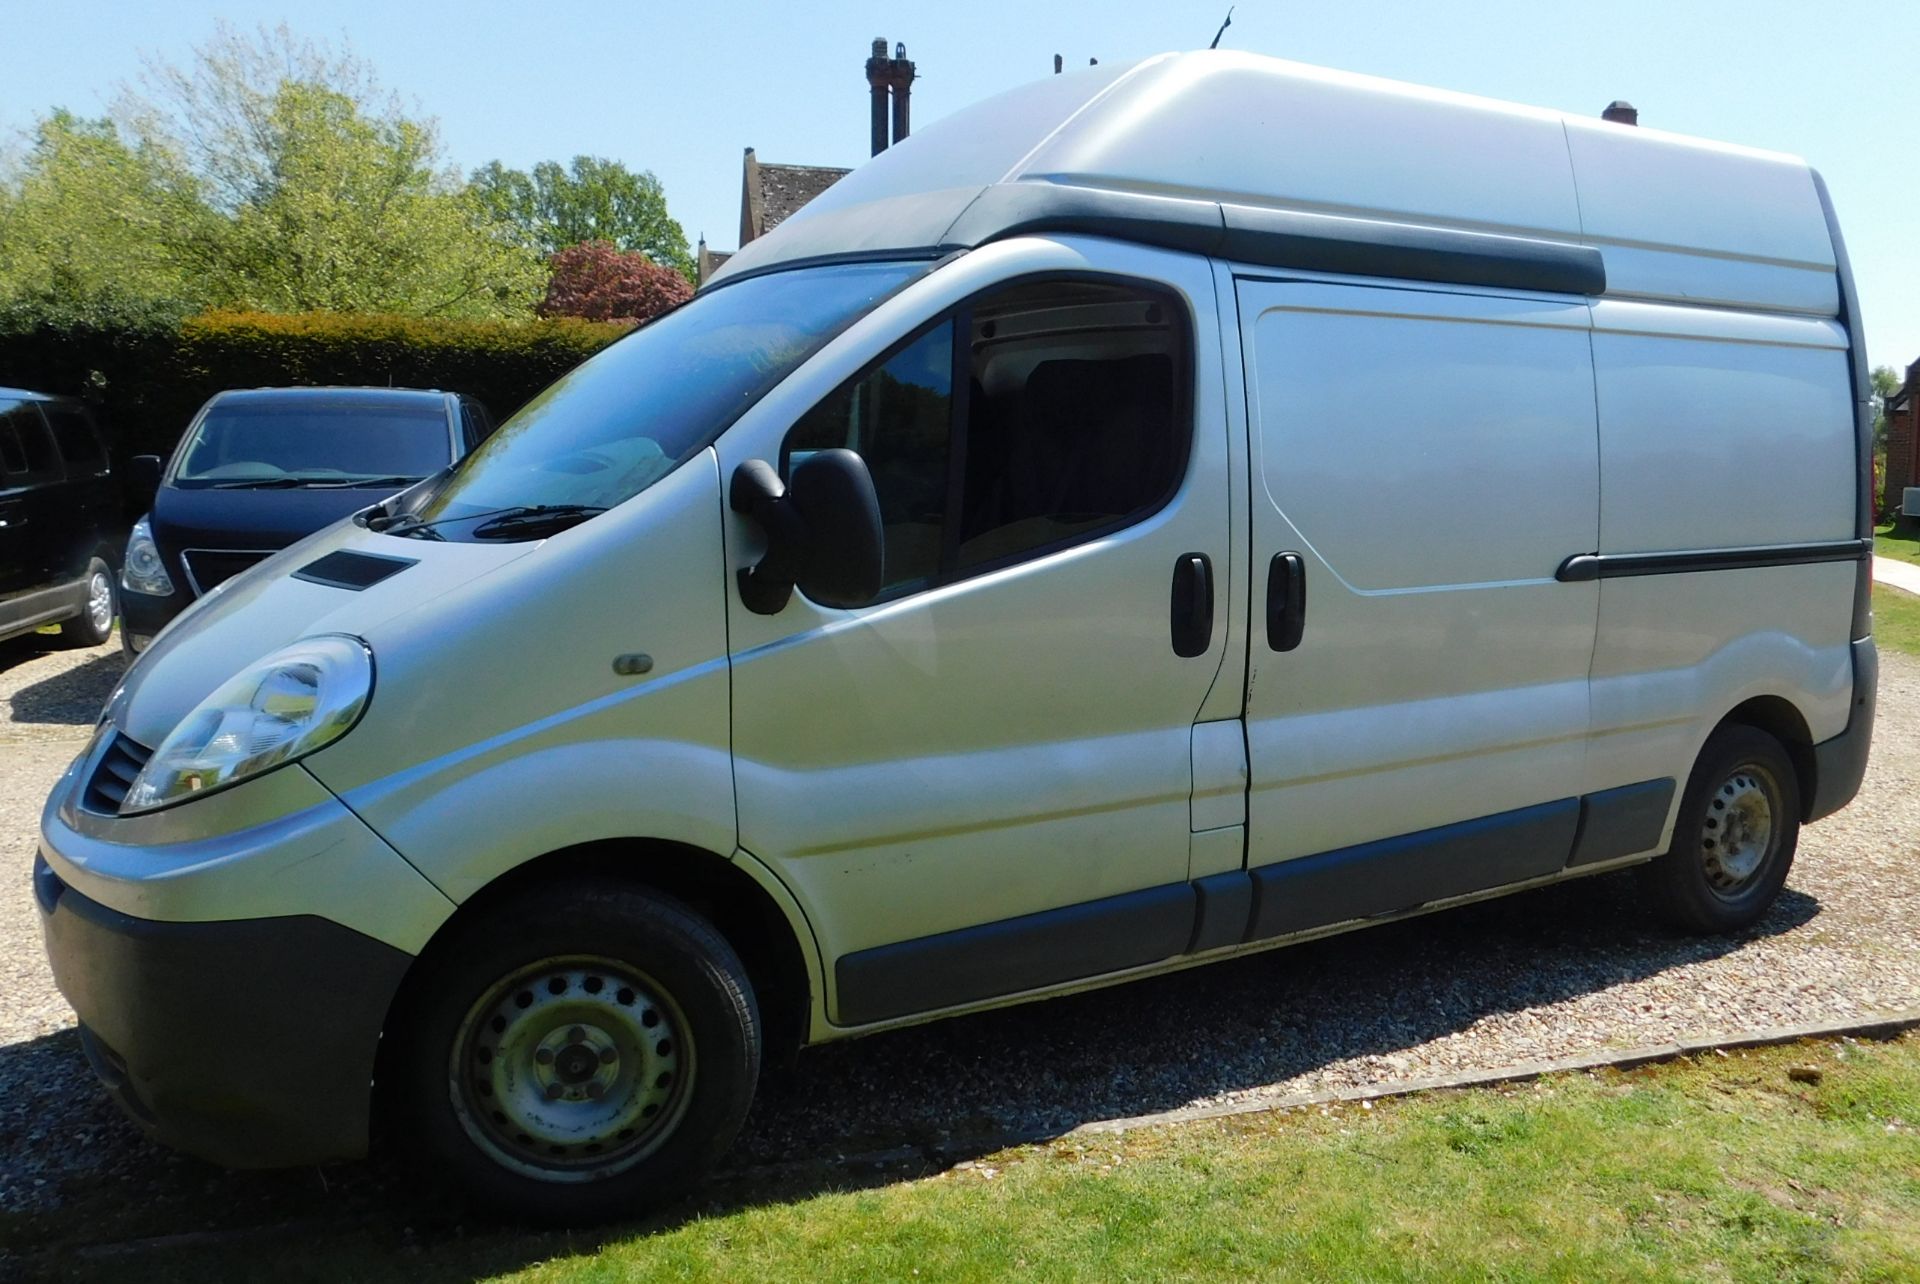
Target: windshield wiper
(495, 521)
(551, 517)
(353, 482)
(263, 483)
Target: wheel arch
(1781, 719)
(750, 917)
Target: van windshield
(629, 415)
(258, 441)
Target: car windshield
(629, 415)
(255, 441)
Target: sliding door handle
(1192, 604)
(1286, 601)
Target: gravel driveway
(1551, 973)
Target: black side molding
(1607, 566)
(1369, 880)
(1395, 874)
(1283, 238)
(1620, 822)
(1025, 953)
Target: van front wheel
(1735, 838)
(583, 1054)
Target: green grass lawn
(1788, 1164)
(1896, 619)
(1905, 547)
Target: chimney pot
(1621, 112)
(900, 49)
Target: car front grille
(114, 774)
(208, 568)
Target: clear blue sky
(681, 89)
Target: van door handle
(1192, 604)
(1286, 601)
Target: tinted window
(26, 449)
(13, 458)
(629, 415)
(1073, 421)
(479, 424)
(897, 417)
(79, 443)
(255, 441)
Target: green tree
(355, 219)
(1886, 381)
(327, 194)
(591, 199)
(89, 220)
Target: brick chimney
(901, 80)
(879, 76)
(1621, 112)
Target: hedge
(146, 379)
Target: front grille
(114, 774)
(207, 568)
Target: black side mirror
(823, 531)
(143, 474)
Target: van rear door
(1417, 716)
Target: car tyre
(94, 624)
(1735, 838)
(576, 1055)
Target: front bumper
(142, 616)
(247, 1042)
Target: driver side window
(1035, 417)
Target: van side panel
(1432, 457)
(1719, 431)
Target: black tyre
(575, 1056)
(1734, 841)
(94, 624)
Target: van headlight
(281, 708)
(142, 570)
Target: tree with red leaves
(596, 281)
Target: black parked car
(262, 468)
(59, 519)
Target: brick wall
(1903, 445)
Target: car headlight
(283, 707)
(143, 571)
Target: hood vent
(353, 571)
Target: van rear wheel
(1735, 838)
(577, 1056)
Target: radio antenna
(1223, 29)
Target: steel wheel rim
(1739, 832)
(572, 1069)
(100, 601)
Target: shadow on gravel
(929, 1095)
(70, 698)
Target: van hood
(256, 614)
(252, 519)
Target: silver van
(1166, 512)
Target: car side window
(79, 442)
(479, 424)
(1035, 417)
(26, 449)
(897, 417)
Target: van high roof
(1265, 160)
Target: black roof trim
(1285, 238)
